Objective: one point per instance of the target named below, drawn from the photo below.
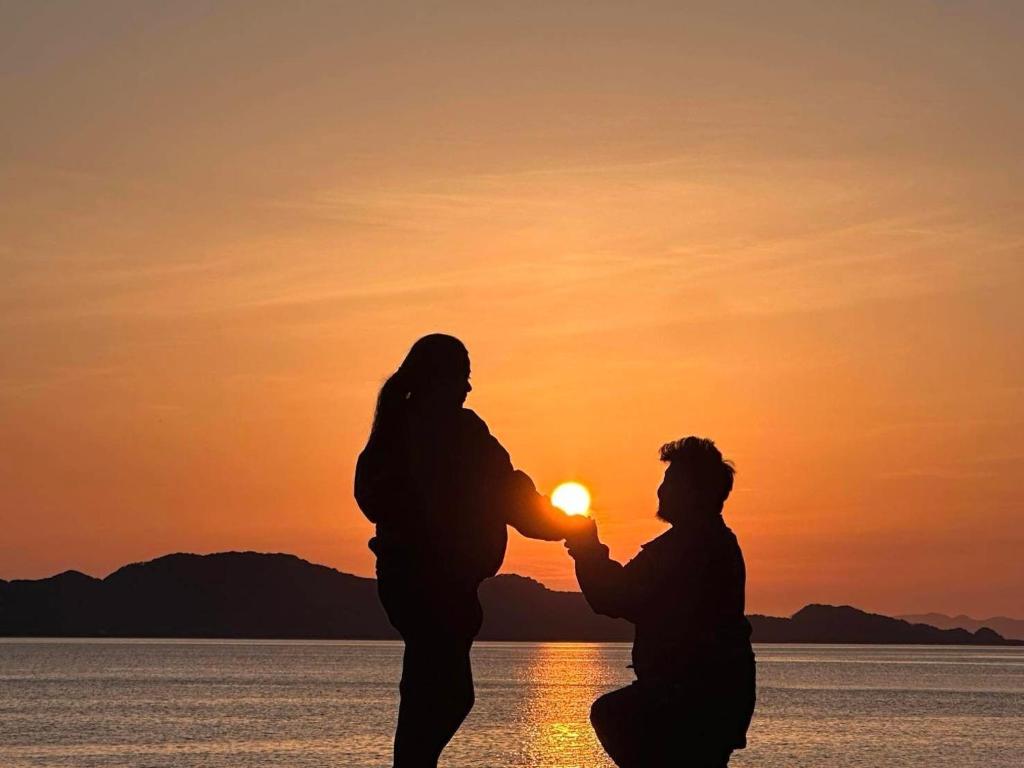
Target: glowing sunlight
(572, 498)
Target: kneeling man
(693, 697)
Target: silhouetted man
(693, 697)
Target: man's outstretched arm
(611, 589)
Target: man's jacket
(684, 592)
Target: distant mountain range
(255, 595)
(1004, 625)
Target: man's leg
(618, 720)
(437, 694)
(689, 734)
(705, 758)
(641, 730)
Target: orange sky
(792, 228)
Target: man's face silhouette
(677, 496)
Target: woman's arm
(531, 513)
(512, 491)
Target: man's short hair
(702, 462)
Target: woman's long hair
(431, 357)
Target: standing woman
(440, 490)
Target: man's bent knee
(600, 713)
(611, 711)
(615, 721)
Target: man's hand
(580, 533)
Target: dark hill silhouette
(519, 608)
(229, 594)
(845, 624)
(1004, 625)
(255, 595)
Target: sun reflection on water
(563, 681)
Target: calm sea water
(188, 704)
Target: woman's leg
(438, 619)
(437, 694)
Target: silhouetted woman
(440, 490)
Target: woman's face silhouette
(447, 389)
(438, 369)
(453, 390)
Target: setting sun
(571, 498)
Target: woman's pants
(437, 694)
(438, 619)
